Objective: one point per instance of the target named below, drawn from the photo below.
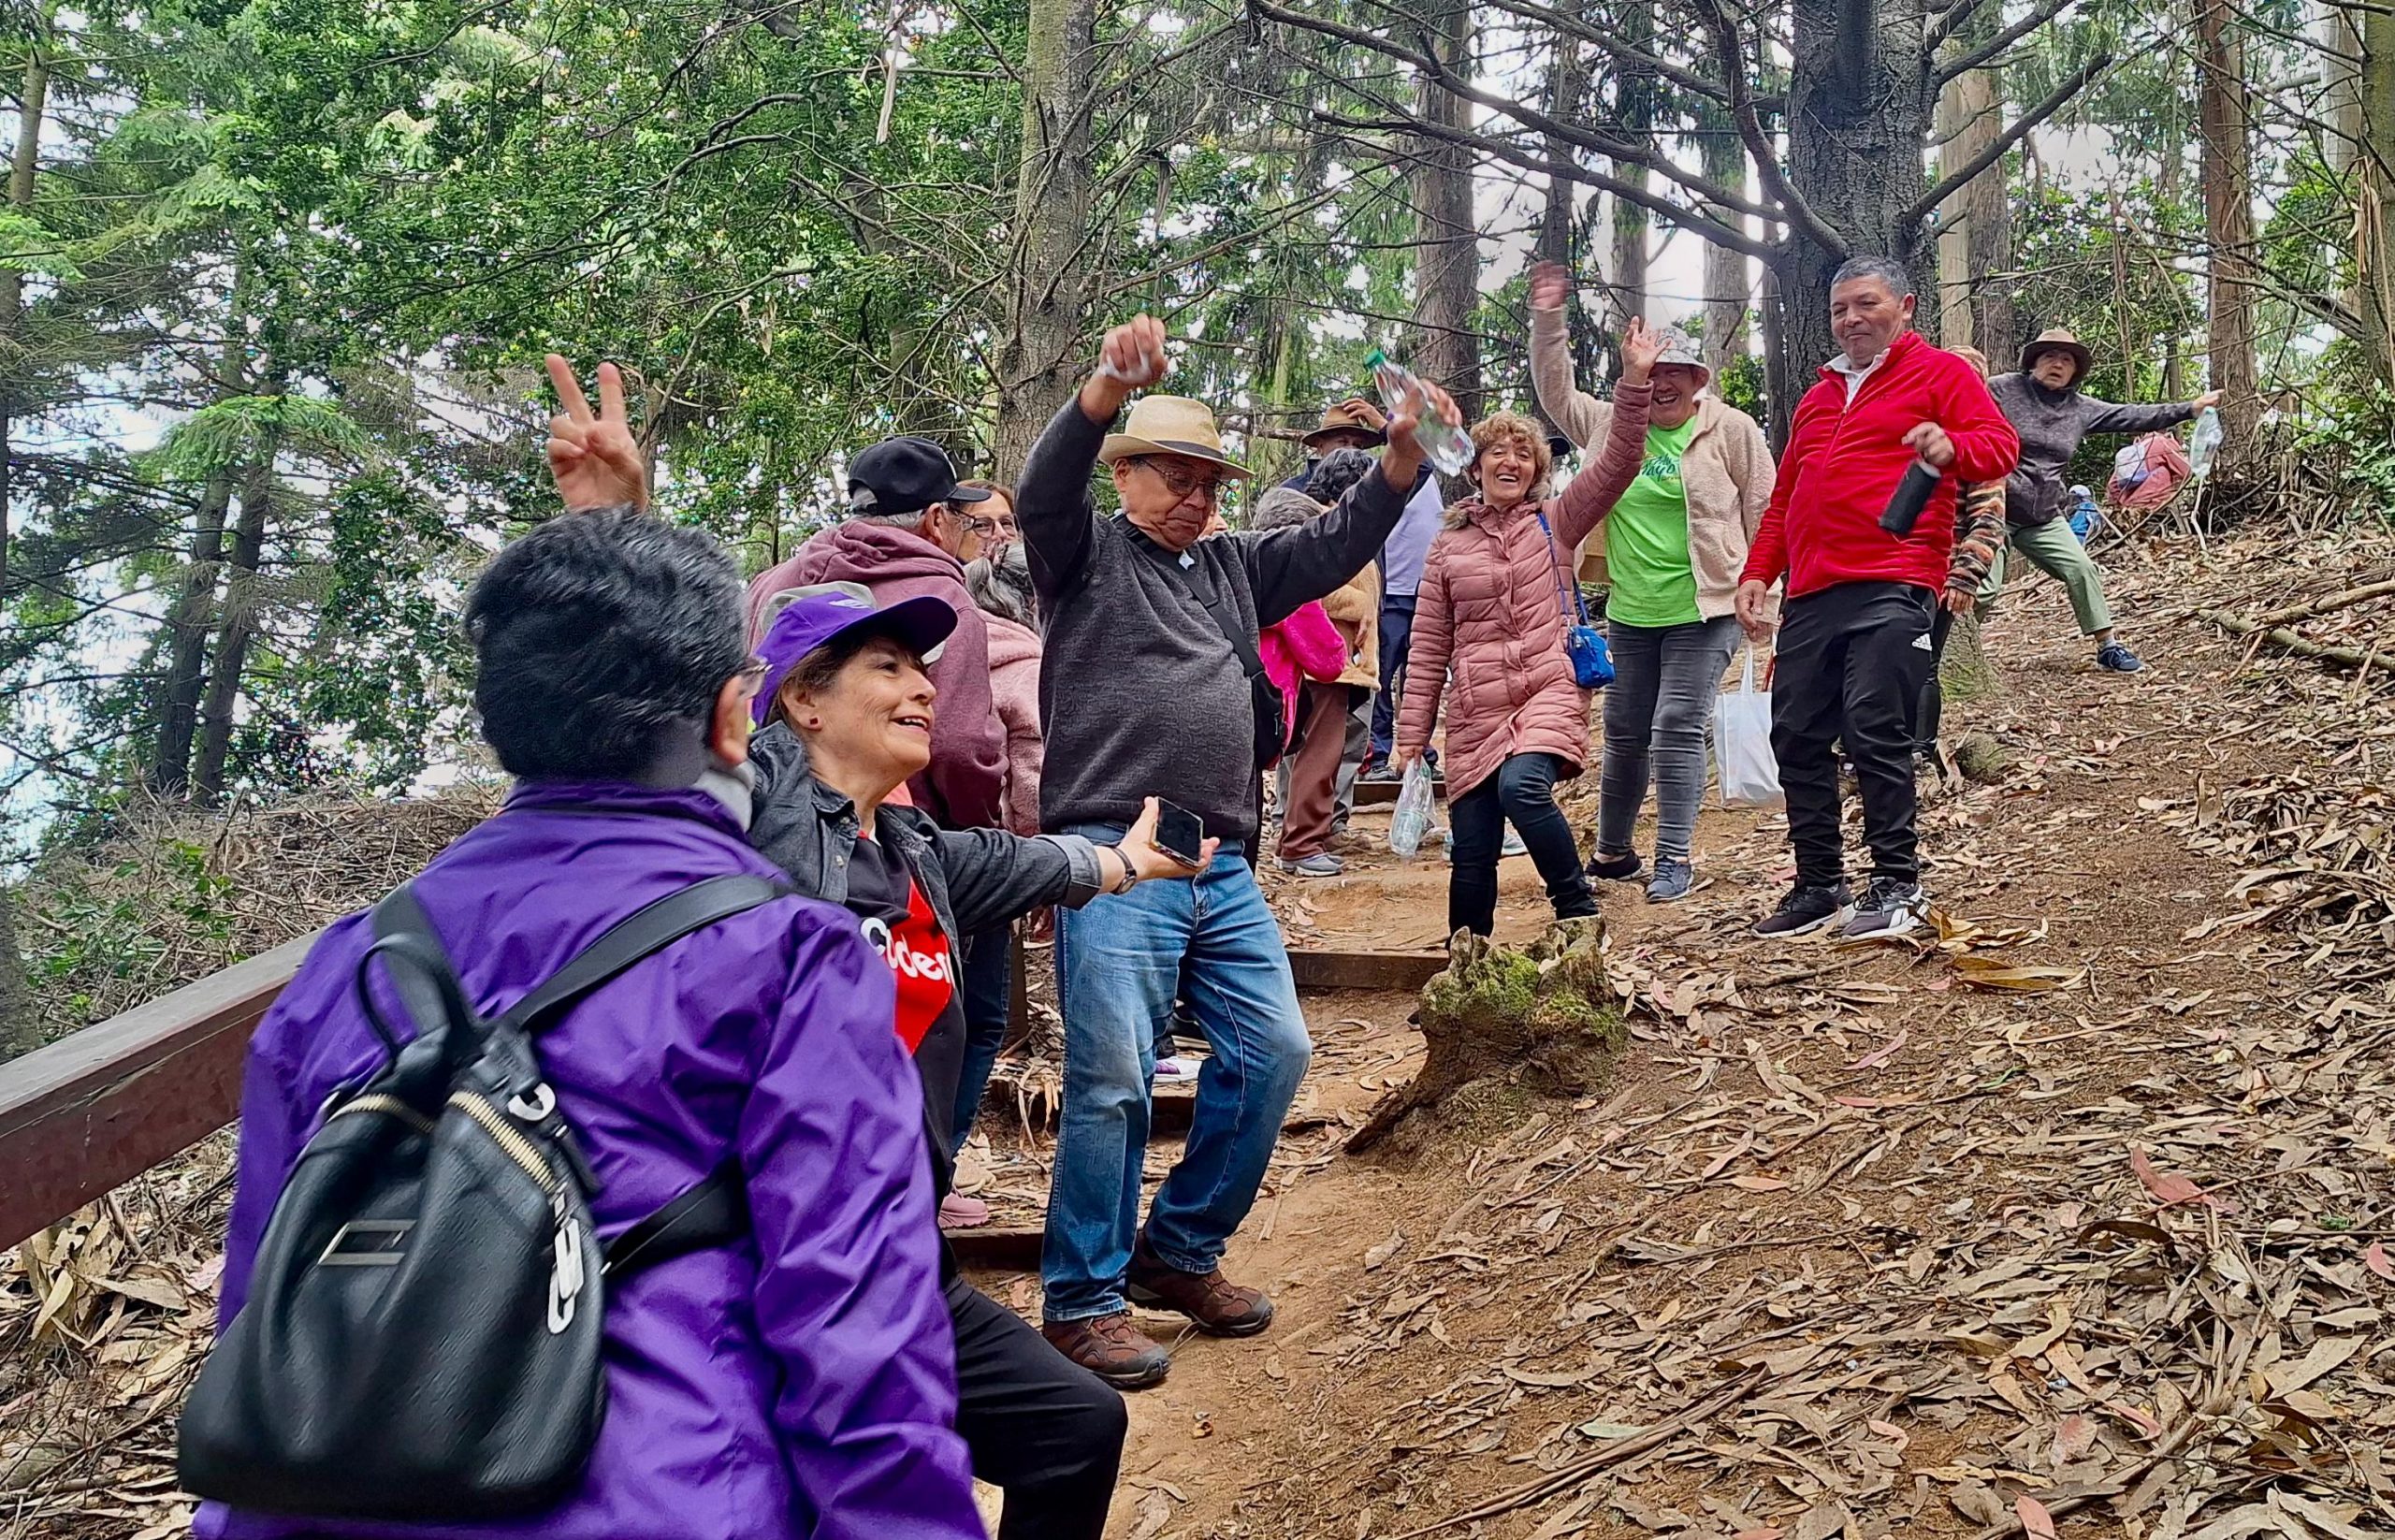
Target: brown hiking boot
(1111, 1348)
(1220, 1307)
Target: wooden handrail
(98, 1108)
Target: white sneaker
(1513, 845)
(1176, 1070)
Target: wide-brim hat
(1170, 425)
(1679, 348)
(2058, 339)
(816, 617)
(1343, 418)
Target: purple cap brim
(918, 624)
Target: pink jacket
(1492, 612)
(1014, 686)
(1306, 646)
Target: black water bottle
(1913, 495)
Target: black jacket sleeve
(1294, 566)
(995, 876)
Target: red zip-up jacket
(1844, 460)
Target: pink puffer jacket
(1014, 689)
(1491, 611)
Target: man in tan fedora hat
(1146, 686)
(2045, 406)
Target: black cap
(905, 475)
(1557, 446)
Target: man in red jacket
(1854, 641)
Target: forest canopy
(276, 277)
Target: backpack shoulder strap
(642, 933)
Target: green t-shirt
(1646, 540)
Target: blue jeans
(988, 998)
(1397, 634)
(1119, 963)
(1520, 791)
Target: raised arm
(848, 1292)
(1293, 566)
(1425, 659)
(1052, 506)
(1579, 415)
(1593, 493)
(2104, 417)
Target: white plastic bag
(1415, 812)
(1742, 757)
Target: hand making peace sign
(595, 461)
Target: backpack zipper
(388, 1105)
(566, 1275)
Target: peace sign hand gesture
(595, 461)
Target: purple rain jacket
(802, 1383)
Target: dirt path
(1872, 1241)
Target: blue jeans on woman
(988, 997)
(1120, 961)
(1657, 711)
(1520, 791)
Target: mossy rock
(1505, 1026)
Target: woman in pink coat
(1493, 612)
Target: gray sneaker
(1321, 864)
(1671, 883)
(1887, 908)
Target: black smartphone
(1180, 833)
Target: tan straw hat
(1345, 418)
(1169, 425)
(2058, 339)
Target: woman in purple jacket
(799, 1384)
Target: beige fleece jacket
(1726, 470)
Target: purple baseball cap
(815, 618)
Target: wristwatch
(1130, 878)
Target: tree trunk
(187, 627)
(1860, 101)
(20, 1032)
(1446, 261)
(1726, 284)
(2374, 195)
(234, 633)
(1634, 121)
(1975, 238)
(1045, 297)
(23, 158)
(1504, 1024)
(2227, 116)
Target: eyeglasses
(752, 675)
(1183, 483)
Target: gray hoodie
(2051, 423)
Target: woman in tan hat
(2045, 406)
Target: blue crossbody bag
(1584, 643)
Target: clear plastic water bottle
(1444, 445)
(2205, 442)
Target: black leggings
(1041, 1427)
(1522, 791)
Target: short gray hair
(1887, 269)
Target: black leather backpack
(422, 1333)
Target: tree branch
(1619, 47)
(2003, 40)
(1686, 218)
(2055, 102)
(1768, 170)
(1531, 118)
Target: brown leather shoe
(1220, 1307)
(1111, 1348)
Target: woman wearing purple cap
(845, 711)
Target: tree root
(1537, 1017)
(2303, 647)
